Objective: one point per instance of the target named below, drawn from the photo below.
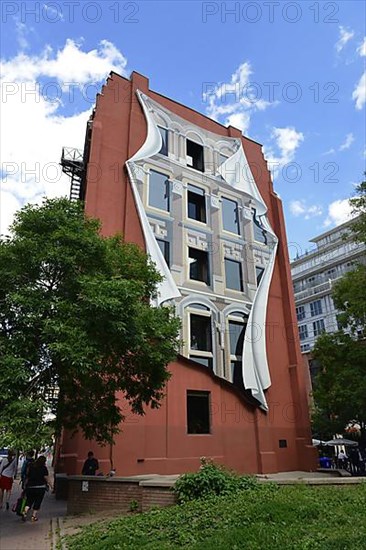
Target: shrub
(211, 479)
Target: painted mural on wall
(235, 172)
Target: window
(195, 155)
(305, 347)
(259, 274)
(196, 204)
(159, 190)
(201, 333)
(318, 327)
(237, 324)
(316, 308)
(198, 265)
(230, 218)
(233, 274)
(198, 412)
(260, 234)
(164, 138)
(303, 332)
(165, 248)
(200, 337)
(300, 313)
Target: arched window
(200, 340)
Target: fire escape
(72, 162)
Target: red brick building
(199, 198)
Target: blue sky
(289, 74)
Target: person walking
(8, 470)
(91, 465)
(27, 462)
(36, 484)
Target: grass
(289, 517)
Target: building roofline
(187, 107)
(330, 231)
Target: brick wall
(114, 494)
(102, 494)
(156, 496)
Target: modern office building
(198, 197)
(314, 274)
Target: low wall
(88, 494)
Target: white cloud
(347, 142)
(344, 37)
(234, 102)
(359, 93)
(31, 150)
(300, 208)
(68, 65)
(339, 211)
(361, 50)
(287, 140)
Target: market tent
(341, 441)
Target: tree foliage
(358, 204)
(340, 386)
(76, 322)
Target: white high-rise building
(314, 274)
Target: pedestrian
(8, 470)
(355, 461)
(342, 459)
(27, 462)
(91, 465)
(36, 484)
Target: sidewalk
(16, 535)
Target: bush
(211, 479)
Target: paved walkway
(16, 535)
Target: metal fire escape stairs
(72, 162)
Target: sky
(290, 75)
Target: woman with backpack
(36, 484)
(8, 470)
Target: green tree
(76, 323)
(340, 386)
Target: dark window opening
(196, 204)
(198, 265)
(282, 443)
(159, 190)
(233, 274)
(318, 327)
(259, 274)
(205, 361)
(195, 156)
(230, 217)
(303, 332)
(236, 334)
(165, 248)
(260, 234)
(201, 337)
(300, 313)
(316, 308)
(236, 373)
(164, 138)
(198, 412)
